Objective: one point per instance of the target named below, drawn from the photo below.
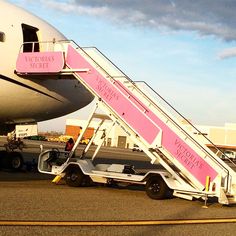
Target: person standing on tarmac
(69, 145)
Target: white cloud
(71, 6)
(206, 17)
(227, 53)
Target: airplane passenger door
(29, 36)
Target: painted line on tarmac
(116, 223)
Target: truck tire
(156, 188)
(11, 160)
(16, 160)
(74, 176)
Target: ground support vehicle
(229, 155)
(81, 171)
(11, 158)
(192, 169)
(136, 148)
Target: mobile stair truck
(191, 169)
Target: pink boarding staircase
(150, 123)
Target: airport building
(116, 137)
(223, 137)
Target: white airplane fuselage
(26, 99)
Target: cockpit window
(2, 37)
(30, 38)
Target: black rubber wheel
(16, 160)
(11, 160)
(74, 176)
(156, 188)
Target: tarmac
(30, 204)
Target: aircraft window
(2, 37)
(30, 36)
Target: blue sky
(184, 49)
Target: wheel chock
(56, 179)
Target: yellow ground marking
(115, 223)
